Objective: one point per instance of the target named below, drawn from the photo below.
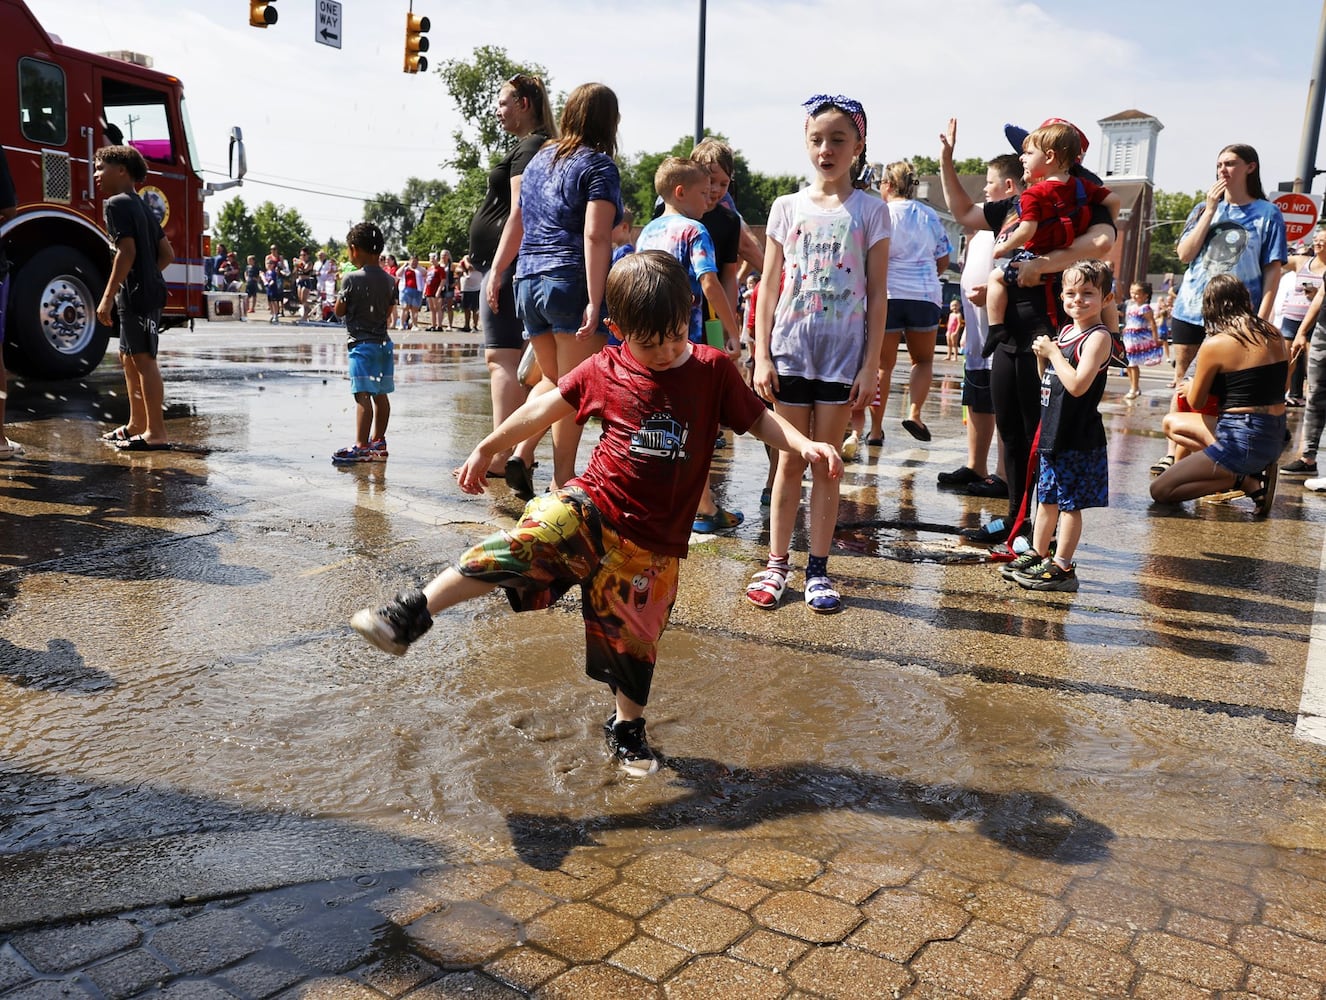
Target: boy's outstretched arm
(715, 295)
(776, 432)
(535, 416)
(966, 211)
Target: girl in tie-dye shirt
(817, 342)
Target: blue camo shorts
(1075, 480)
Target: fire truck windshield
(191, 147)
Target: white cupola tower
(1128, 151)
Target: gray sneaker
(1021, 564)
(394, 626)
(626, 741)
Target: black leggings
(1015, 389)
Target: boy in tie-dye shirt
(684, 187)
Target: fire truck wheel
(52, 328)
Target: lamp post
(699, 80)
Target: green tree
(1171, 210)
(234, 227)
(446, 222)
(283, 226)
(474, 84)
(398, 214)
(929, 165)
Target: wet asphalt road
(185, 714)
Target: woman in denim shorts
(570, 199)
(1244, 362)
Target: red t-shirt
(651, 463)
(1060, 216)
(433, 281)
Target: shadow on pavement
(736, 798)
(58, 667)
(73, 847)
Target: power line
(331, 194)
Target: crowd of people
(643, 336)
(307, 285)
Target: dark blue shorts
(502, 330)
(1075, 480)
(138, 334)
(911, 314)
(976, 390)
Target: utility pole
(699, 81)
(1307, 150)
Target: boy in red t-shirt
(618, 529)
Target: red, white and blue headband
(852, 109)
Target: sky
(327, 128)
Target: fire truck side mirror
(239, 160)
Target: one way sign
(327, 27)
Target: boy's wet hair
(649, 297)
(1096, 273)
(127, 157)
(366, 237)
(676, 172)
(710, 150)
(1063, 140)
(1008, 166)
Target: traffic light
(416, 25)
(261, 13)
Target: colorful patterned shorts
(626, 592)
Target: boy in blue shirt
(684, 187)
(366, 298)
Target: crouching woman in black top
(1243, 362)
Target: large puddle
(176, 659)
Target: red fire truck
(68, 103)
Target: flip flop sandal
(1162, 465)
(916, 429)
(766, 588)
(821, 597)
(120, 433)
(140, 443)
(1263, 497)
(719, 520)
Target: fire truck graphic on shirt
(660, 436)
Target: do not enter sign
(1300, 212)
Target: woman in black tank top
(1246, 361)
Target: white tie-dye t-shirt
(819, 327)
